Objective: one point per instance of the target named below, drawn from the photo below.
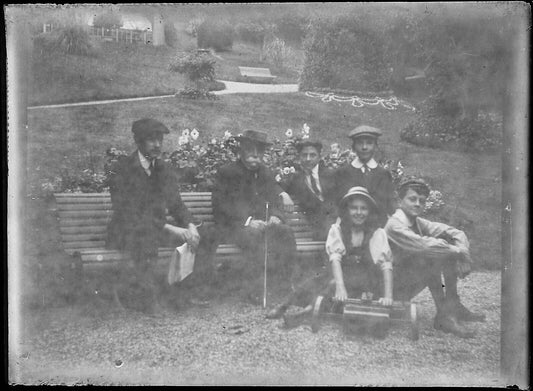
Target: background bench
(83, 220)
(249, 74)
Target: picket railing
(116, 35)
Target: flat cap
(365, 130)
(414, 182)
(147, 127)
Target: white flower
(186, 132)
(306, 129)
(278, 178)
(305, 136)
(399, 171)
(335, 148)
(213, 140)
(400, 165)
(292, 170)
(288, 133)
(227, 134)
(286, 171)
(182, 140)
(195, 134)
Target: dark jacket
(321, 214)
(239, 193)
(140, 205)
(378, 182)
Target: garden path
(232, 87)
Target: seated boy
(423, 251)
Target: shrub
(192, 26)
(69, 40)
(198, 67)
(277, 53)
(108, 20)
(251, 32)
(171, 35)
(345, 52)
(432, 129)
(292, 27)
(216, 35)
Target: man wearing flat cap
(143, 190)
(425, 251)
(312, 188)
(364, 171)
(241, 193)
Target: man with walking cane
(242, 191)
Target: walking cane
(266, 258)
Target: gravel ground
(229, 342)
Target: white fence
(117, 35)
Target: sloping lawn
(129, 70)
(76, 138)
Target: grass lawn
(130, 70)
(76, 138)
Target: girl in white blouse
(360, 258)
(359, 252)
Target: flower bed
(197, 162)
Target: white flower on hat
(195, 134)
(186, 132)
(286, 171)
(278, 178)
(292, 170)
(288, 133)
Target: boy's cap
(358, 191)
(146, 127)
(308, 143)
(254, 136)
(413, 182)
(365, 130)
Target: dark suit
(240, 193)
(140, 205)
(321, 214)
(378, 183)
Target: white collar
(370, 164)
(400, 215)
(145, 163)
(314, 171)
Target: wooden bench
(249, 74)
(83, 220)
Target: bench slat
(86, 206)
(77, 214)
(93, 229)
(85, 237)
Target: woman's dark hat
(254, 136)
(147, 127)
(413, 182)
(365, 130)
(301, 144)
(358, 191)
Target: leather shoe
(295, 319)
(449, 324)
(466, 315)
(276, 312)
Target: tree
(108, 20)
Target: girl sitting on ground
(360, 259)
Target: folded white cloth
(181, 264)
